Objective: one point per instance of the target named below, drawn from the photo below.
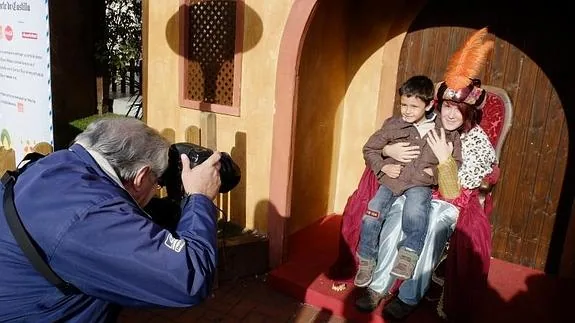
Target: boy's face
(413, 109)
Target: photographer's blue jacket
(94, 236)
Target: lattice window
(209, 34)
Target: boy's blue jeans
(414, 221)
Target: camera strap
(22, 237)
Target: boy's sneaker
(404, 263)
(364, 273)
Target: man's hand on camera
(204, 178)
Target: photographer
(83, 209)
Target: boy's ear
(429, 106)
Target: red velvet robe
(468, 259)
(469, 253)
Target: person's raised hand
(439, 145)
(202, 179)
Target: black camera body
(230, 173)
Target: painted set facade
(313, 79)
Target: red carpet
(517, 293)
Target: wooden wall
(535, 155)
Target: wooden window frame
(234, 109)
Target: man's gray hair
(128, 144)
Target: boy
(413, 179)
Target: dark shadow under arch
(547, 49)
(539, 32)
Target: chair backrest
(497, 116)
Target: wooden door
(534, 158)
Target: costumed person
(456, 205)
(414, 180)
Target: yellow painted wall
(250, 135)
(375, 38)
(347, 86)
(321, 93)
(369, 23)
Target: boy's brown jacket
(395, 130)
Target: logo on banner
(25, 76)
(8, 33)
(29, 35)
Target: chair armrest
(489, 181)
(485, 187)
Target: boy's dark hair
(419, 86)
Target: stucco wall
(321, 93)
(347, 86)
(263, 27)
(369, 24)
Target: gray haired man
(83, 207)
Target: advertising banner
(25, 90)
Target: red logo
(8, 33)
(20, 106)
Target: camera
(230, 173)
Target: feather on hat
(464, 66)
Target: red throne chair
(496, 122)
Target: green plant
(123, 40)
(82, 124)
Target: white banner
(25, 90)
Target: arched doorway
(535, 201)
(383, 38)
